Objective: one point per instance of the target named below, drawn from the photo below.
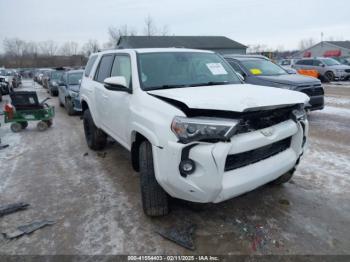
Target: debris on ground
(27, 229)
(284, 202)
(181, 236)
(86, 154)
(101, 154)
(11, 208)
(3, 146)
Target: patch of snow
(331, 110)
(338, 100)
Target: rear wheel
(284, 178)
(95, 137)
(329, 75)
(42, 126)
(154, 199)
(16, 127)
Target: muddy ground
(95, 197)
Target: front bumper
(76, 104)
(316, 103)
(210, 182)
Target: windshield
(330, 62)
(183, 69)
(56, 75)
(73, 78)
(263, 67)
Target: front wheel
(154, 199)
(95, 137)
(330, 76)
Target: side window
(236, 67)
(286, 62)
(122, 67)
(89, 65)
(317, 63)
(309, 62)
(104, 68)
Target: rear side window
(104, 69)
(89, 65)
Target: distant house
(326, 49)
(219, 44)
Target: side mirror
(240, 76)
(291, 71)
(116, 83)
(322, 65)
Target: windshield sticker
(255, 71)
(216, 69)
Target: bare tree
(69, 48)
(116, 32)
(14, 49)
(48, 48)
(306, 43)
(165, 30)
(90, 47)
(150, 27)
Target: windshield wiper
(211, 83)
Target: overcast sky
(272, 22)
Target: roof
(196, 42)
(246, 57)
(152, 50)
(343, 44)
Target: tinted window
(89, 65)
(317, 63)
(330, 62)
(262, 67)
(122, 67)
(74, 78)
(104, 69)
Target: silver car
(328, 68)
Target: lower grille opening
(256, 155)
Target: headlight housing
(73, 94)
(299, 114)
(54, 83)
(203, 129)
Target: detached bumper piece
(250, 157)
(181, 236)
(27, 229)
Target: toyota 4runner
(194, 130)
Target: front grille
(256, 155)
(347, 70)
(315, 90)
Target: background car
(328, 68)
(68, 91)
(343, 60)
(287, 63)
(52, 80)
(258, 70)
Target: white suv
(194, 130)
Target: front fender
(146, 132)
(92, 109)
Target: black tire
(0, 97)
(69, 107)
(95, 137)
(329, 75)
(42, 126)
(49, 122)
(16, 127)
(284, 178)
(154, 199)
(24, 124)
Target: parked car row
(9, 79)
(329, 69)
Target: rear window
(89, 65)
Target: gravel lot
(95, 197)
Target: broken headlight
(299, 114)
(203, 129)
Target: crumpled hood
(237, 98)
(289, 79)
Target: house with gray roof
(326, 49)
(219, 44)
